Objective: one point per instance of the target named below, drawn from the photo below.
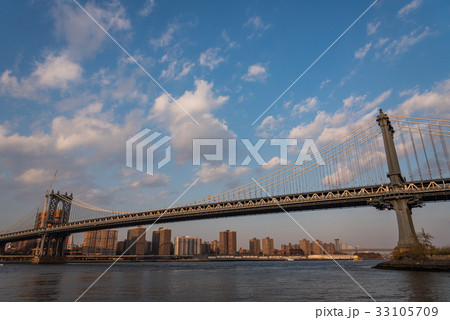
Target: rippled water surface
(220, 281)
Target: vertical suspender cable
(425, 152)
(405, 151)
(444, 147)
(435, 153)
(415, 153)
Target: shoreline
(430, 264)
(135, 259)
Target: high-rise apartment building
(316, 247)
(268, 247)
(215, 246)
(136, 241)
(227, 244)
(162, 242)
(188, 246)
(255, 246)
(100, 242)
(165, 242)
(305, 245)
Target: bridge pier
(407, 238)
(2, 248)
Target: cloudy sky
(70, 97)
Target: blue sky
(70, 98)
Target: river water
(220, 281)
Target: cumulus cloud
(269, 125)
(148, 181)
(409, 7)
(211, 58)
(56, 72)
(435, 101)
(257, 26)
(326, 127)
(209, 173)
(33, 176)
(272, 163)
(361, 52)
(256, 72)
(307, 105)
(83, 36)
(200, 103)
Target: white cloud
(402, 45)
(83, 36)
(209, 173)
(147, 8)
(324, 83)
(307, 105)
(376, 103)
(210, 58)
(353, 100)
(56, 72)
(272, 163)
(256, 24)
(372, 28)
(381, 42)
(167, 37)
(255, 72)
(269, 125)
(327, 127)
(154, 181)
(432, 102)
(33, 176)
(231, 44)
(187, 67)
(200, 104)
(361, 52)
(409, 7)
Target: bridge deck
(422, 191)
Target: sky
(70, 97)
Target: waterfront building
(337, 245)
(136, 241)
(155, 242)
(121, 246)
(188, 246)
(267, 244)
(102, 242)
(305, 245)
(227, 243)
(215, 247)
(165, 242)
(255, 246)
(316, 247)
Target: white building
(187, 246)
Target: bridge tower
(407, 238)
(50, 248)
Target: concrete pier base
(407, 238)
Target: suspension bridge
(362, 168)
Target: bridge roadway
(376, 195)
